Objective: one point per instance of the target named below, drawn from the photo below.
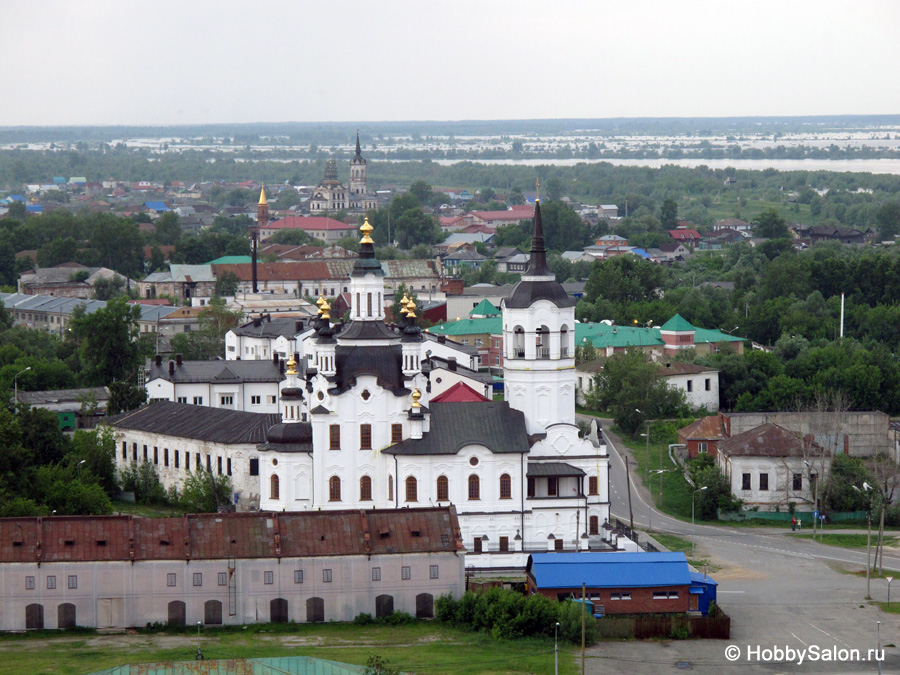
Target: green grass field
(846, 540)
(422, 647)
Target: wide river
(891, 166)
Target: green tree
(771, 225)
(109, 288)
(125, 396)
(107, 341)
(96, 448)
(204, 492)
(564, 229)
(227, 283)
(421, 191)
(117, 244)
(58, 251)
(888, 219)
(668, 214)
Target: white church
(360, 428)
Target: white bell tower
(539, 343)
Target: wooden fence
(643, 627)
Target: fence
(784, 517)
(644, 627)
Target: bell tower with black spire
(358, 184)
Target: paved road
(780, 591)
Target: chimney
(171, 367)
(298, 325)
(158, 360)
(268, 318)
(178, 360)
(451, 363)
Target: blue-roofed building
(17, 198)
(620, 583)
(34, 208)
(703, 588)
(59, 180)
(157, 207)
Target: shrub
(363, 619)
(570, 624)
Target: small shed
(703, 592)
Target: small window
(702, 447)
(396, 433)
(531, 484)
(222, 578)
(365, 436)
(181, 399)
(268, 578)
(326, 576)
(165, 456)
(433, 572)
(476, 545)
(443, 489)
(406, 573)
(274, 487)
(412, 489)
(198, 578)
(745, 481)
(229, 466)
(146, 455)
(504, 544)
(51, 583)
(155, 455)
(298, 576)
(198, 400)
(690, 385)
(255, 400)
(707, 384)
(334, 437)
(219, 465)
(29, 583)
(171, 580)
(72, 582)
(270, 399)
(797, 482)
(254, 466)
(376, 574)
(593, 485)
(552, 486)
(226, 400)
(763, 482)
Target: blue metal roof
(17, 198)
(59, 180)
(608, 570)
(34, 208)
(697, 578)
(157, 206)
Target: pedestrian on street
(793, 524)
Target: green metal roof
(678, 323)
(712, 335)
(230, 260)
(485, 308)
(492, 325)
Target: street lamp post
(556, 649)
(813, 475)
(16, 389)
(693, 529)
(199, 653)
(889, 580)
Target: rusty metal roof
(232, 535)
(768, 440)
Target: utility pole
(628, 483)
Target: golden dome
(366, 230)
(291, 366)
(403, 304)
(326, 308)
(416, 395)
(411, 309)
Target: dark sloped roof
(767, 440)
(528, 292)
(234, 535)
(198, 422)
(271, 327)
(384, 362)
(553, 469)
(367, 330)
(217, 371)
(289, 437)
(492, 424)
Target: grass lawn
(146, 510)
(422, 647)
(846, 540)
(677, 544)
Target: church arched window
(365, 489)
(474, 487)
(443, 489)
(505, 486)
(412, 489)
(334, 489)
(274, 487)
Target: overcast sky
(187, 61)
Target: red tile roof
(308, 223)
(685, 235)
(459, 393)
(233, 535)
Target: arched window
(274, 487)
(594, 525)
(412, 491)
(474, 487)
(443, 489)
(564, 341)
(334, 489)
(505, 486)
(365, 489)
(518, 342)
(391, 488)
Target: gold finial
(262, 195)
(366, 230)
(403, 304)
(537, 189)
(325, 309)
(416, 395)
(291, 366)
(321, 302)
(411, 309)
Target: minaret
(539, 342)
(358, 172)
(262, 219)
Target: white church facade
(359, 429)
